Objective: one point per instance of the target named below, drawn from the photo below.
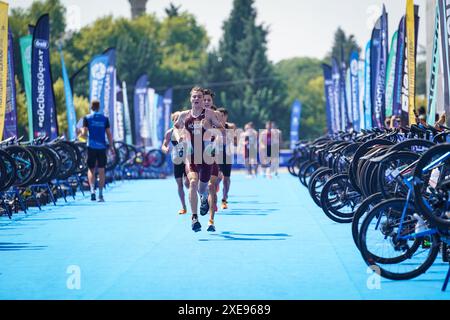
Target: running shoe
(211, 227)
(204, 207)
(196, 226)
(93, 197)
(101, 199)
(182, 211)
(224, 205)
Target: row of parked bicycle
(392, 186)
(42, 171)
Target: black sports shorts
(179, 170)
(96, 158)
(226, 169)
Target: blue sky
(297, 27)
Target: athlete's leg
(181, 194)
(193, 189)
(212, 196)
(226, 187)
(101, 181)
(91, 179)
(213, 183)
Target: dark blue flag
(43, 100)
(296, 115)
(329, 98)
(140, 99)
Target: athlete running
(227, 162)
(178, 156)
(208, 98)
(195, 122)
(270, 146)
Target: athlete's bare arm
(179, 124)
(167, 137)
(212, 118)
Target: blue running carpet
(272, 243)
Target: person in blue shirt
(96, 125)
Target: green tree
(20, 19)
(304, 81)
(343, 46)
(172, 11)
(243, 74)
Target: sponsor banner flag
(362, 123)
(160, 122)
(119, 132)
(168, 109)
(343, 95)
(25, 52)
(329, 98)
(354, 90)
(295, 122)
(399, 70)
(432, 94)
(43, 100)
(379, 55)
(444, 12)
(152, 115)
(71, 114)
(3, 63)
(10, 129)
(140, 97)
(348, 95)
(368, 88)
(110, 89)
(411, 63)
(97, 75)
(336, 76)
(390, 81)
(126, 114)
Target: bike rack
(45, 186)
(6, 206)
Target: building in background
(137, 8)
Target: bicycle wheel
(10, 170)
(68, 160)
(390, 182)
(362, 150)
(384, 251)
(3, 174)
(431, 188)
(155, 158)
(82, 164)
(26, 165)
(318, 180)
(308, 171)
(362, 212)
(339, 199)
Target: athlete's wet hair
(209, 92)
(95, 105)
(223, 110)
(214, 108)
(197, 89)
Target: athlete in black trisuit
(178, 156)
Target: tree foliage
(242, 73)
